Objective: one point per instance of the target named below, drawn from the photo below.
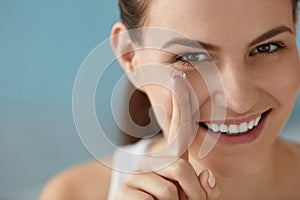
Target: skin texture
(253, 83)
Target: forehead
(216, 20)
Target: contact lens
(178, 73)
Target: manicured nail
(211, 180)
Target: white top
(122, 161)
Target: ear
(122, 46)
(124, 49)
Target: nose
(241, 91)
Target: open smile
(236, 131)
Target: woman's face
(253, 46)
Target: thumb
(209, 184)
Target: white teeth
(224, 128)
(233, 129)
(215, 128)
(256, 121)
(251, 124)
(243, 127)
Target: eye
(267, 48)
(194, 57)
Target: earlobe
(122, 46)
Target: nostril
(242, 102)
(235, 98)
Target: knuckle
(168, 192)
(145, 197)
(123, 191)
(179, 166)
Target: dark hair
(133, 12)
(295, 10)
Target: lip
(247, 137)
(233, 121)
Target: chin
(239, 157)
(239, 166)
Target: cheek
(281, 79)
(288, 83)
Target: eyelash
(184, 62)
(181, 60)
(279, 45)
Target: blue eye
(194, 57)
(266, 48)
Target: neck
(259, 184)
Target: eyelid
(180, 57)
(272, 42)
(277, 43)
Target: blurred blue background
(42, 44)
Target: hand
(179, 180)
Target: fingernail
(211, 179)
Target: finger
(181, 122)
(183, 172)
(126, 193)
(181, 194)
(208, 182)
(155, 185)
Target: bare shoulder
(89, 180)
(295, 147)
(291, 149)
(293, 169)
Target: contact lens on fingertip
(178, 73)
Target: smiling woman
(247, 58)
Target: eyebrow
(190, 43)
(271, 33)
(207, 46)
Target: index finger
(181, 131)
